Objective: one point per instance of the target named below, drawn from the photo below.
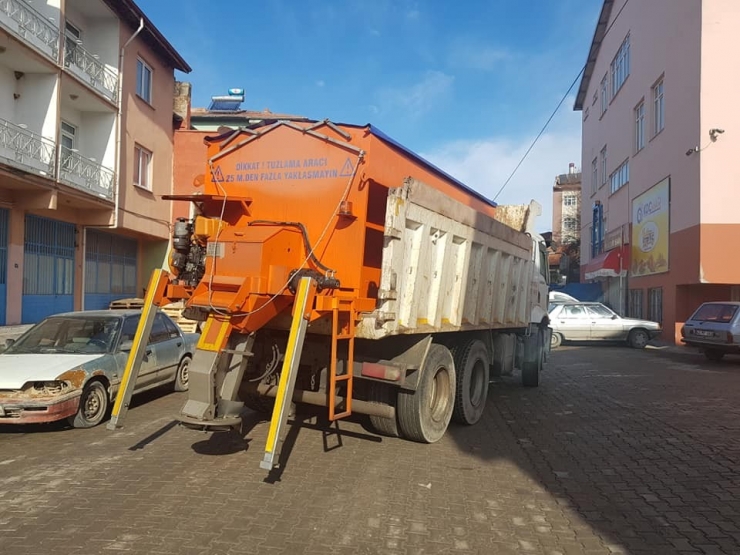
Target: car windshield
(69, 334)
(722, 313)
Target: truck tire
(259, 403)
(533, 357)
(423, 415)
(383, 394)
(472, 365)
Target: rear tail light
(730, 339)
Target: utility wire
(537, 138)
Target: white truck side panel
(447, 267)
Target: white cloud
(485, 164)
(418, 98)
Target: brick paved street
(618, 451)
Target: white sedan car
(70, 365)
(596, 322)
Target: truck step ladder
(154, 295)
(301, 313)
(342, 329)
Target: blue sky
(468, 83)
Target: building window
(655, 304)
(620, 67)
(144, 80)
(658, 108)
(594, 175)
(620, 177)
(570, 224)
(640, 127)
(570, 199)
(142, 168)
(68, 138)
(603, 166)
(635, 307)
(597, 230)
(604, 94)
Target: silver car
(70, 365)
(596, 322)
(715, 329)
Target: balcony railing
(26, 150)
(91, 70)
(30, 25)
(85, 174)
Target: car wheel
(714, 355)
(555, 340)
(181, 378)
(94, 403)
(638, 339)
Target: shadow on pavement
(627, 440)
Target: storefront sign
(613, 239)
(650, 230)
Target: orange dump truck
(332, 266)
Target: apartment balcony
(89, 69)
(39, 30)
(85, 174)
(26, 150)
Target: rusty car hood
(16, 370)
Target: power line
(537, 138)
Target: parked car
(70, 365)
(595, 322)
(714, 328)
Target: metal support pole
(154, 295)
(301, 313)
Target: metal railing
(101, 77)
(25, 149)
(31, 25)
(87, 175)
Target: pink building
(660, 211)
(86, 152)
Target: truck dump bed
(419, 251)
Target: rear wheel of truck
(383, 394)
(533, 358)
(472, 365)
(259, 403)
(423, 415)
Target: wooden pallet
(173, 310)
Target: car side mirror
(614, 316)
(9, 343)
(126, 346)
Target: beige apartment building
(86, 150)
(661, 136)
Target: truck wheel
(258, 403)
(383, 394)
(533, 357)
(423, 415)
(472, 366)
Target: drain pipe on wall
(119, 130)
(117, 188)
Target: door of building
(48, 268)
(110, 268)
